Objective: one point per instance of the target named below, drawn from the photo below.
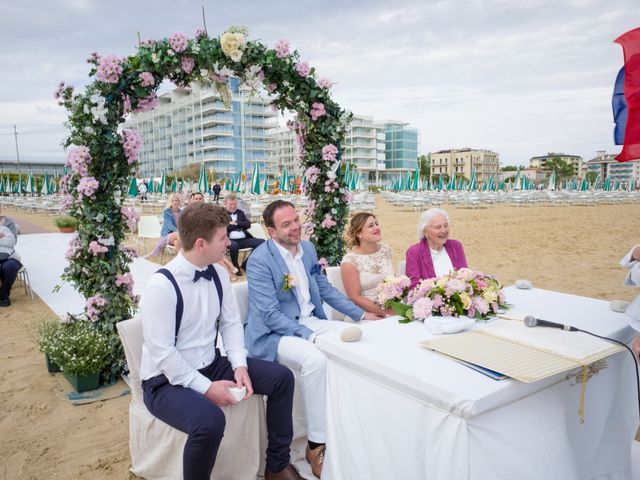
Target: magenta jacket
(420, 265)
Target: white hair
(427, 217)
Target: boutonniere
(290, 282)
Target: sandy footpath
(569, 249)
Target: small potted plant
(82, 352)
(66, 224)
(46, 341)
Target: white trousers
(303, 356)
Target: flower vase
(83, 383)
(51, 366)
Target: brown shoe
(287, 473)
(316, 458)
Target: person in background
(632, 261)
(238, 230)
(216, 192)
(143, 191)
(9, 264)
(435, 254)
(367, 264)
(170, 225)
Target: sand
(569, 249)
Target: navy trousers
(8, 272)
(204, 422)
(238, 243)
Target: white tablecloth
(397, 410)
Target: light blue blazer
(274, 313)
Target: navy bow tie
(207, 273)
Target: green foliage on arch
(102, 156)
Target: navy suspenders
(180, 302)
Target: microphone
(531, 321)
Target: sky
(519, 77)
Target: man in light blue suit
(286, 290)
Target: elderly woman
(367, 264)
(435, 254)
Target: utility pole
(15, 134)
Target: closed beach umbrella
(162, 188)
(202, 179)
(45, 185)
(133, 188)
(284, 181)
(255, 179)
(473, 182)
(174, 184)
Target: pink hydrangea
(74, 247)
(87, 187)
(328, 221)
(200, 33)
(78, 159)
(325, 83)
(282, 48)
(329, 152)
(126, 104)
(127, 280)
(148, 103)
(330, 186)
(93, 58)
(392, 288)
(96, 247)
(481, 305)
(187, 65)
(109, 69)
(308, 228)
(422, 308)
(67, 202)
(178, 42)
(317, 110)
(132, 143)
(271, 87)
(312, 174)
(148, 43)
(94, 307)
(146, 79)
(303, 69)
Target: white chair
(23, 275)
(256, 231)
(170, 250)
(156, 448)
(402, 267)
(335, 279)
(148, 227)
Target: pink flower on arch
(109, 69)
(303, 69)
(87, 187)
(96, 247)
(148, 103)
(78, 159)
(146, 79)
(282, 48)
(329, 152)
(325, 83)
(94, 306)
(328, 221)
(317, 111)
(132, 143)
(200, 33)
(178, 42)
(187, 65)
(312, 174)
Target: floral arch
(102, 156)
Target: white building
(191, 125)
(606, 165)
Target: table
(397, 410)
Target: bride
(367, 264)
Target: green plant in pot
(82, 352)
(47, 342)
(66, 224)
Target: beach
(572, 249)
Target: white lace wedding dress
(373, 269)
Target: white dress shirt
(441, 262)
(195, 347)
(296, 268)
(236, 234)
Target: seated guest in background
(367, 264)
(185, 379)
(195, 197)
(11, 225)
(435, 254)
(170, 225)
(632, 261)
(238, 230)
(9, 264)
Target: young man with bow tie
(185, 379)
